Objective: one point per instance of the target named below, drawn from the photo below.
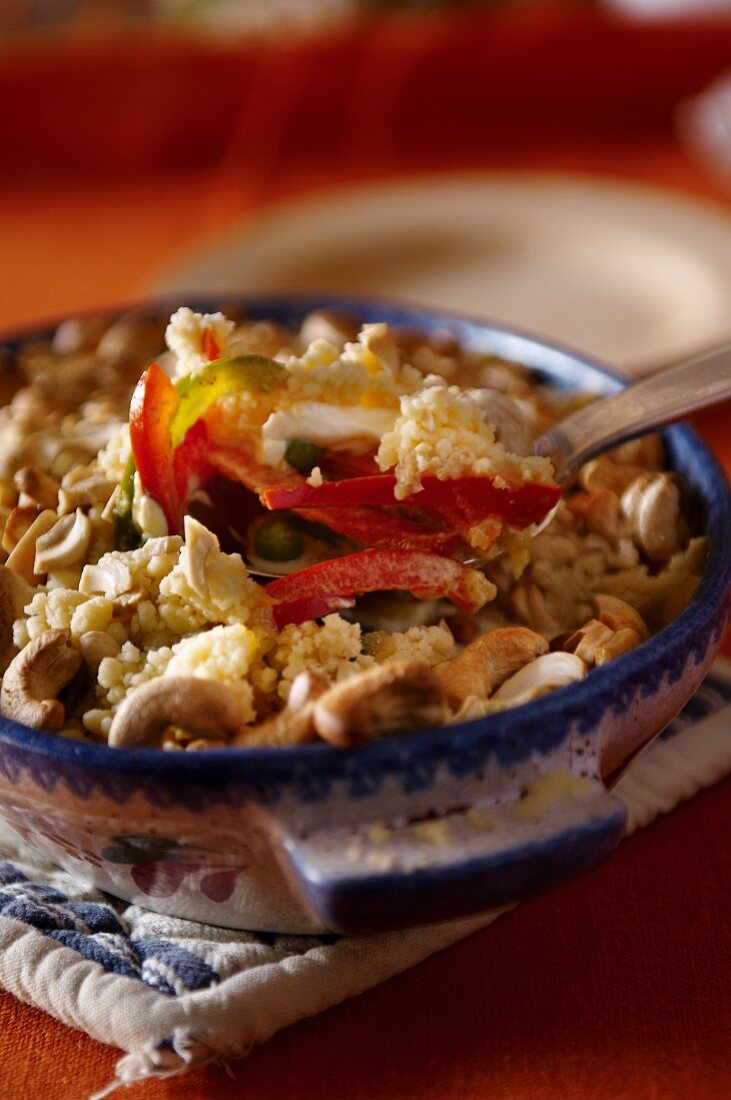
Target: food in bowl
(384, 475)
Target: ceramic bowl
(409, 829)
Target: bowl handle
(376, 878)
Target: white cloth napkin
(175, 994)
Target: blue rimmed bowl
(406, 830)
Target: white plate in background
(635, 275)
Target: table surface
(616, 985)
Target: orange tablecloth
(614, 986)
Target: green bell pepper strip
(127, 535)
(222, 378)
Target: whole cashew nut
(489, 660)
(34, 679)
(205, 708)
(394, 698)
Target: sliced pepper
(304, 609)
(168, 436)
(241, 465)
(127, 535)
(472, 498)
(426, 576)
(222, 378)
(154, 404)
(379, 528)
(191, 467)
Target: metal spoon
(660, 399)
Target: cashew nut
(158, 547)
(620, 642)
(602, 473)
(585, 641)
(22, 558)
(17, 523)
(393, 698)
(90, 489)
(199, 542)
(326, 324)
(65, 543)
(37, 487)
(125, 605)
(110, 576)
(206, 708)
(378, 339)
(295, 724)
(600, 512)
(618, 614)
(652, 505)
(78, 334)
(35, 677)
(488, 661)
(554, 670)
(132, 336)
(15, 593)
(94, 646)
(262, 338)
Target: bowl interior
(540, 723)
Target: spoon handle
(660, 399)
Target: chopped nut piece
(294, 725)
(16, 525)
(36, 487)
(619, 643)
(65, 543)
(15, 593)
(199, 542)
(78, 334)
(584, 642)
(326, 324)
(94, 489)
(109, 576)
(135, 336)
(22, 558)
(618, 614)
(601, 473)
(95, 645)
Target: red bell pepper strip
(379, 528)
(426, 576)
(191, 467)
(306, 608)
(472, 498)
(153, 406)
(240, 465)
